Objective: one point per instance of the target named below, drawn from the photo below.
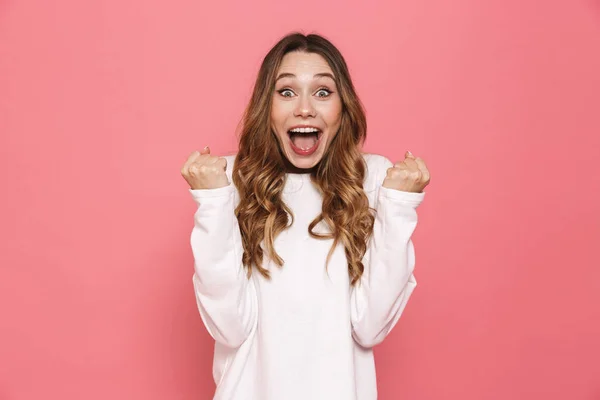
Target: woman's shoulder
(376, 161)
(377, 166)
(230, 158)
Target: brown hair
(260, 175)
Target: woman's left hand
(409, 175)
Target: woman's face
(305, 96)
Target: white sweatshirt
(306, 334)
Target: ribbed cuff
(410, 198)
(204, 193)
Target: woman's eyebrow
(290, 75)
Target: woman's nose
(304, 108)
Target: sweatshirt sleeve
(378, 299)
(225, 297)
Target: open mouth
(305, 139)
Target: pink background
(101, 103)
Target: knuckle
(196, 169)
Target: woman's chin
(302, 161)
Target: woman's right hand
(203, 171)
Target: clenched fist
(409, 175)
(203, 171)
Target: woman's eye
(323, 90)
(283, 91)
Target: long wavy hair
(260, 175)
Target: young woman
(302, 243)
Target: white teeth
(304, 130)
